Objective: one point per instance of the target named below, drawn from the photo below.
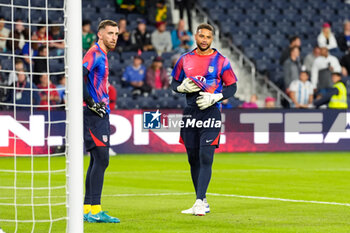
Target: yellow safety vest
(339, 101)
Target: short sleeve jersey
(209, 72)
(96, 62)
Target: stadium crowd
(148, 47)
(313, 80)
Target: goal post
(74, 116)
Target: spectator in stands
(174, 59)
(23, 96)
(326, 38)
(4, 33)
(42, 34)
(161, 39)
(19, 67)
(61, 89)
(291, 67)
(181, 39)
(156, 76)
(54, 97)
(32, 52)
(89, 37)
(310, 58)
(20, 34)
(159, 13)
(336, 97)
(252, 103)
(324, 65)
(130, 6)
(141, 38)
(294, 41)
(345, 63)
(122, 26)
(301, 91)
(270, 102)
(188, 6)
(125, 44)
(343, 39)
(40, 63)
(135, 75)
(112, 93)
(57, 34)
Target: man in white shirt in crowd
(301, 91)
(325, 61)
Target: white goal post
(74, 116)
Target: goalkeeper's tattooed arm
(98, 108)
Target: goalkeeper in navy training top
(96, 119)
(200, 74)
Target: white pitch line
(210, 194)
(279, 199)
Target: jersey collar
(98, 46)
(193, 52)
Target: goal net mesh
(32, 111)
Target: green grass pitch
(147, 192)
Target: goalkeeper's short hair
(106, 23)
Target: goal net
(34, 129)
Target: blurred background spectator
(294, 41)
(40, 63)
(157, 77)
(141, 37)
(23, 94)
(47, 87)
(20, 34)
(4, 34)
(181, 39)
(301, 91)
(336, 97)
(161, 39)
(185, 5)
(135, 77)
(270, 102)
(326, 38)
(344, 38)
(292, 67)
(61, 89)
(130, 6)
(310, 58)
(251, 103)
(322, 69)
(89, 37)
(112, 93)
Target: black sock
(94, 180)
(88, 198)
(193, 159)
(206, 157)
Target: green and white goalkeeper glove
(188, 86)
(206, 99)
(98, 108)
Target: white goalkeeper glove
(206, 99)
(188, 86)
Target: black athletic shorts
(194, 134)
(96, 130)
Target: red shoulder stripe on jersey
(96, 141)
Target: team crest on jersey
(211, 69)
(105, 138)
